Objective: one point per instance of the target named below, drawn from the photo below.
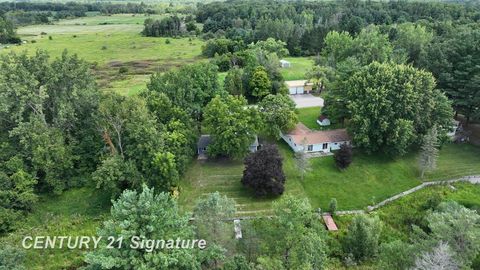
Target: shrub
(123, 70)
(332, 206)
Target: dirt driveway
(307, 100)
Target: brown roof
(302, 132)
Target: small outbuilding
(285, 64)
(323, 121)
(238, 229)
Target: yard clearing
(300, 66)
(369, 180)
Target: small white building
(238, 229)
(285, 64)
(323, 121)
(453, 130)
(316, 141)
(299, 87)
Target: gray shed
(203, 143)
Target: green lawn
(370, 179)
(76, 212)
(300, 66)
(205, 177)
(309, 116)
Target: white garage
(296, 90)
(299, 87)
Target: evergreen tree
(343, 157)
(148, 216)
(429, 152)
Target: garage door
(295, 90)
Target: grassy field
(300, 66)
(370, 179)
(76, 212)
(205, 177)
(109, 43)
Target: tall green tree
(234, 82)
(260, 84)
(278, 114)
(362, 239)
(149, 216)
(454, 64)
(393, 106)
(293, 238)
(458, 227)
(411, 39)
(46, 110)
(191, 87)
(232, 124)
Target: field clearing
(300, 66)
(109, 43)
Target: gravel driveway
(307, 100)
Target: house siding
(331, 146)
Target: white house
(285, 64)
(315, 141)
(323, 121)
(299, 87)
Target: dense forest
(393, 74)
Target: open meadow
(110, 43)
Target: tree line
(304, 25)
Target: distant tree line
(304, 25)
(27, 13)
(171, 26)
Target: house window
(310, 148)
(325, 146)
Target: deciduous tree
(264, 172)
(362, 238)
(392, 106)
(232, 125)
(278, 114)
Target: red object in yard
(331, 226)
